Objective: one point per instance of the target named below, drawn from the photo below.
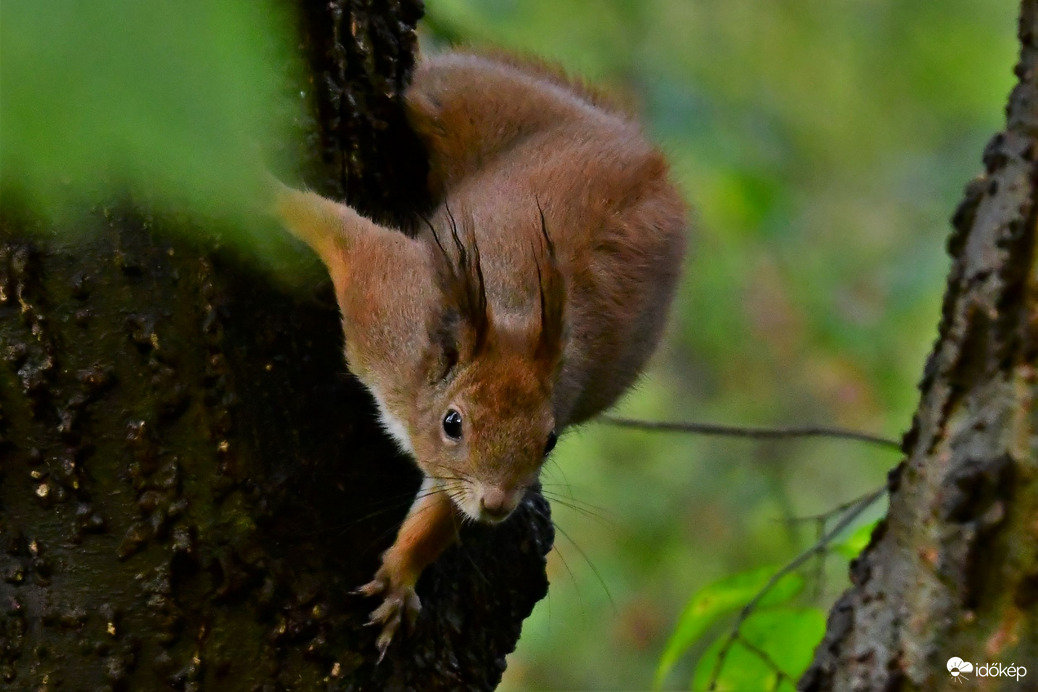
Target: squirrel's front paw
(399, 602)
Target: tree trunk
(191, 483)
(953, 570)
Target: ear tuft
(462, 330)
(552, 289)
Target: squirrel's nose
(496, 504)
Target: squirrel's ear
(552, 289)
(325, 225)
(462, 329)
(448, 339)
(315, 220)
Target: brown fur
(529, 301)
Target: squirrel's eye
(452, 424)
(550, 444)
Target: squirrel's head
(483, 437)
(473, 400)
(484, 421)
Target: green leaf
(717, 599)
(786, 636)
(743, 670)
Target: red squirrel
(529, 300)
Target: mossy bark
(953, 570)
(191, 483)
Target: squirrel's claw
(399, 602)
(372, 588)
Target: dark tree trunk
(953, 570)
(190, 482)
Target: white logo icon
(956, 666)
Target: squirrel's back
(468, 107)
(508, 139)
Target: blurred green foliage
(823, 146)
(167, 101)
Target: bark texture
(953, 570)
(191, 483)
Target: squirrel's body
(530, 299)
(616, 221)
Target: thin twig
(832, 511)
(793, 564)
(755, 433)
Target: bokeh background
(823, 146)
